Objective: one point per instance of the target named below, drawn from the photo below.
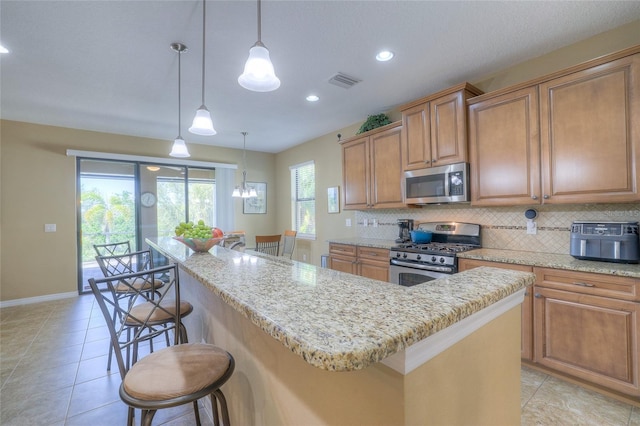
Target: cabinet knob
(537, 296)
(434, 161)
(534, 197)
(427, 161)
(546, 197)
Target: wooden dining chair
(169, 377)
(288, 243)
(269, 244)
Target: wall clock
(148, 199)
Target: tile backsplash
(502, 227)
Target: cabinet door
(526, 343)
(386, 169)
(590, 132)
(504, 149)
(590, 337)
(416, 138)
(448, 129)
(355, 174)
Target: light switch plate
(348, 222)
(49, 227)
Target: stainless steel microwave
(442, 184)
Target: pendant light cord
(259, 23)
(179, 78)
(204, 14)
(244, 160)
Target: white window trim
(144, 159)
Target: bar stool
(169, 377)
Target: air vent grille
(344, 80)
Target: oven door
(408, 277)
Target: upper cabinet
(435, 128)
(372, 169)
(571, 138)
(590, 134)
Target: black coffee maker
(405, 226)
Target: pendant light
(243, 191)
(202, 124)
(259, 75)
(179, 147)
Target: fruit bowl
(200, 245)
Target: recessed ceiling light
(3, 49)
(385, 55)
(313, 98)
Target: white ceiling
(107, 66)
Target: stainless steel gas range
(413, 264)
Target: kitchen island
(316, 346)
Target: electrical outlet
(365, 222)
(532, 227)
(348, 222)
(374, 223)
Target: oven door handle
(420, 266)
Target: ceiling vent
(344, 80)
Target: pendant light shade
(259, 74)
(202, 123)
(179, 147)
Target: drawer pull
(584, 284)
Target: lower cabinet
(586, 325)
(370, 262)
(526, 344)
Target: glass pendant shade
(236, 192)
(258, 74)
(253, 193)
(202, 124)
(179, 148)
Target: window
(303, 199)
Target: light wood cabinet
(504, 149)
(435, 128)
(581, 330)
(342, 257)
(573, 137)
(526, 343)
(590, 134)
(370, 262)
(372, 169)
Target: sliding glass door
(131, 201)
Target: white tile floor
(53, 372)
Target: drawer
(613, 286)
(373, 253)
(342, 249)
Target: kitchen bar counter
(337, 321)
(322, 347)
(552, 260)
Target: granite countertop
(365, 242)
(544, 260)
(552, 260)
(337, 321)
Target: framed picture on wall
(333, 199)
(256, 205)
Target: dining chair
(269, 244)
(288, 243)
(128, 263)
(169, 377)
(110, 249)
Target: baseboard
(37, 299)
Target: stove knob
(442, 260)
(418, 257)
(405, 255)
(433, 258)
(398, 255)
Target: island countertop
(338, 321)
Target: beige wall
(38, 180)
(38, 186)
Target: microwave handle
(447, 184)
